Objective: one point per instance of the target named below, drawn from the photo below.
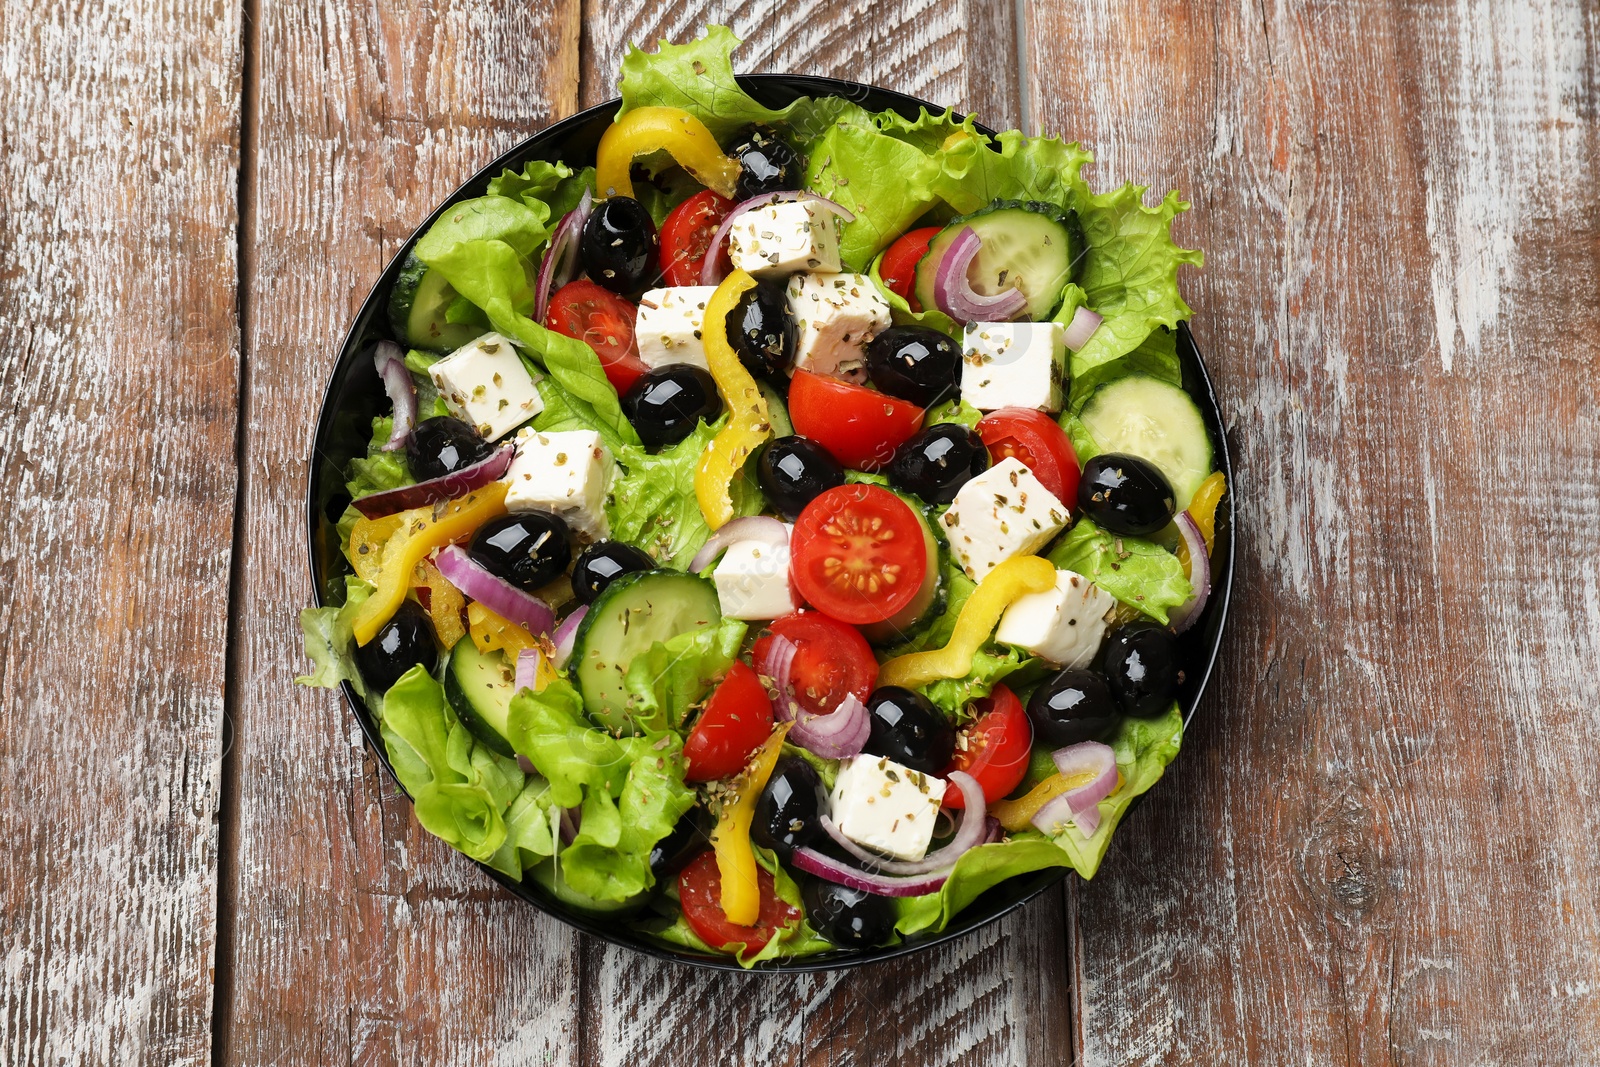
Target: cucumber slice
(1027, 245)
(479, 686)
(777, 411)
(633, 613)
(547, 877)
(419, 305)
(1154, 420)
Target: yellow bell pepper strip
(736, 860)
(656, 129)
(367, 541)
(1203, 510)
(1016, 577)
(749, 423)
(420, 532)
(493, 632)
(445, 603)
(1018, 814)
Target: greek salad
(785, 523)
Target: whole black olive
(848, 917)
(1073, 706)
(404, 641)
(619, 243)
(761, 329)
(789, 809)
(935, 463)
(442, 445)
(527, 549)
(915, 363)
(1125, 494)
(766, 162)
(601, 563)
(665, 403)
(687, 840)
(794, 471)
(908, 729)
(1141, 668)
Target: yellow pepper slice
(655, 129)
(736, 860)
(748, 422)
(444, 603)
(368, 539)
(1016, 577)
(1018, 814)
(493, 632)
(420, 531)
(1203, 510)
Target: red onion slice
(566, 634)
(571, 822)
(884, 885)
(527, 669)
(971, 833)
(953, 291)
(709, 275)
(561, 258)
(391, 364)
(1083, 325)
(1079, 805)
(763, 528)
(493, 591)
(445, 487)
(1188, 613)
(838, 734)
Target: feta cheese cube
(881, 805)
(1013, 365)
(753, 580)
(835, 316)
(1063, 625)
(668, 326)
(1003, 512)
(486, 384)
(784, 238)
(566, 473)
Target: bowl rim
(764, 87)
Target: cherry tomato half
(899, 267)
(996, 749)
(1034, 438)
(830, 660)
(737, 719)
(700, 893)
(858, 554)
(602, 320)
(859, 427)
(686, 236)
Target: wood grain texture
(357, 938)
(1378, 845)
(118, 135)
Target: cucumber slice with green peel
(479, 686)
(1154, 420)
(419, 308)
(777, 411)
(548, 877)
(1027, 245)
(633, 613)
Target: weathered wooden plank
(120, 374)
(357, 937)
(1376, 847)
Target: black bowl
(355, 395)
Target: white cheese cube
(566, 473)
(1003, 512)
(753, 580)
(1013, 365)
(668, 327)
(1063, 625)
(784, 238)
(835, 316)
(486, 384)
(883, 806)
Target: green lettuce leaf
(957, 411)
(652, 504)
(974, 170)
(549, 188)
(1139, 573)
(884, 181)
(978, 870)
(697, 77)
(378, 470)
(991, 665)
(330, 640)
(672, 676)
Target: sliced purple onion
(527, 669)
(992, 830)
(954, 294)
(971, 833)
(526, 764)
(566, 634)
(709, 274)
(571, 822)
(445, 487)
(884, 885)
(493, 591)
(838, 734)
(763, 528)
(391, 364)
(1082, 327)
(1079, 806)
(1188, 613)
(561, 258)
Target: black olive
(1141, 668)
(766, 162)
(1125, 494)
(761, 329)
(915, 363)
(527, 549)
(618, 247)
(687, 840)
(935, 463)
(1073, 706)
(908, 729)
(442, 445)
(848, 917)
(666, 403)
(794, 471)
(601, 563)
(789, 809)
(404, 641)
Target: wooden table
(1379, 844)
